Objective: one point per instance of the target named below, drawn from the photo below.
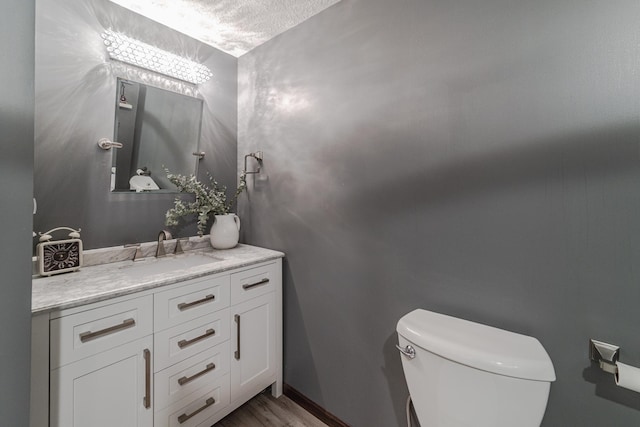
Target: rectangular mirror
(157, 128)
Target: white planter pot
(225, 231)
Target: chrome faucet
(163, 235)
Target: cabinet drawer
(183, 378)
(194, 299)
(188, 339)
(197, 407)
(90, 332)
(252, 283)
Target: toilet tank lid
(478, 346)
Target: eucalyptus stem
(208, 200)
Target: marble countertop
(113, 278)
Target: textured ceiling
(233, 26)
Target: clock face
(60, 256)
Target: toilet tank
(468, 374)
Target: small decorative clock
(59, 256)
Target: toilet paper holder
(605, 354)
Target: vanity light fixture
(132, 51)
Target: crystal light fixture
(132, 51)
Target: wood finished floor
(265, 410)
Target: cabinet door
(106, 390)
(253, 362)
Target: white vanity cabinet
(255, 339)
(180, 355)
(101, 365)
(250, 358)
(191, 351)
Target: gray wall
(16, 175)
(479, 159)
(75, 96)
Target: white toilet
(463, 374)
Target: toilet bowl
(461, 374)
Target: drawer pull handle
(184, 380)
(184, 417)
(88, 336)
(187, 305)
(186, 343)
(147, 378)
(236, 353)
(248, 286)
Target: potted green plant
(209, 200)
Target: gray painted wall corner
(16, 174)
(477, 159)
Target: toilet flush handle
(408, 351)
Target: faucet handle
(138, 253)
(178, 249)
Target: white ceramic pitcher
(225, 231)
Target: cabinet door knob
(236, 353)
(186, 343)
(88, 336)
(184, 417)
(248, 286)
(184, 380)
(147, 378)
(187, 305)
